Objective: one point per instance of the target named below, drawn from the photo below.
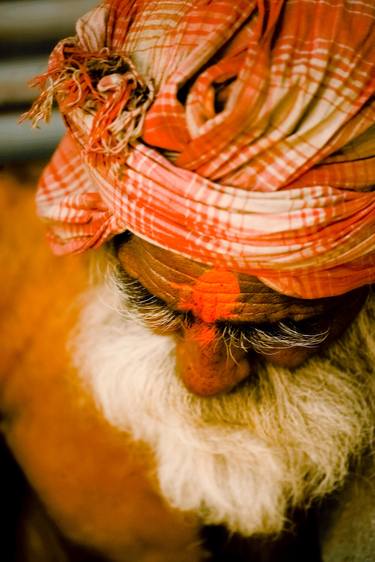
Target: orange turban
(238, 134)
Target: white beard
(241, 459)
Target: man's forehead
(211, 294)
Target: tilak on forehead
(238, 134)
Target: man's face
(165, 342)
(226, 323)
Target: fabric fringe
(106, 90)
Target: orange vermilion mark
(204, 335)
(214, 296)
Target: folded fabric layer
(237, 134)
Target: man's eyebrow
(136, 293)
(264, 337)
(274, 336)
(151, 309)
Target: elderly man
(223, 155)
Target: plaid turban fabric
(238, 134)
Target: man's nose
(206, 364)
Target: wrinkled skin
(212, 296)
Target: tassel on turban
(238, 134)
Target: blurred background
(29, 29)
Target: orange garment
(97, 484)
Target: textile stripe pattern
(238, 134)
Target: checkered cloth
(238, 134)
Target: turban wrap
(236, 133)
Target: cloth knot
(257, 155)
(102, 96)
